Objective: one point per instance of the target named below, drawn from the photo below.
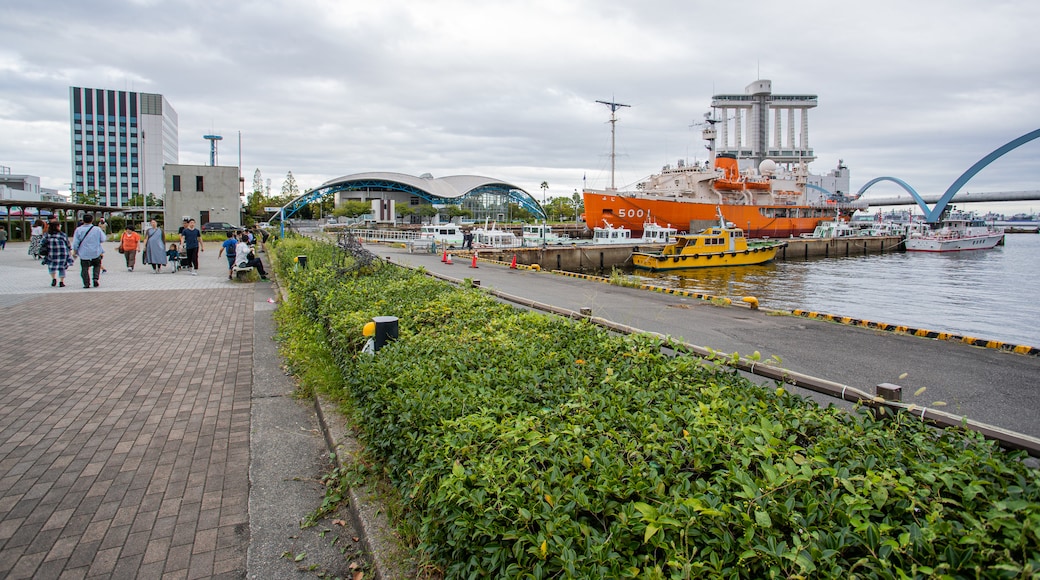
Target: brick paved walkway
(124, 433)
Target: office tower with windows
(120, 142)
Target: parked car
(219, 227)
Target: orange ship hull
(759, 221)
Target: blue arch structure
(484, 185)
(933, 214)
(826, 192)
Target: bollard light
(385, 331)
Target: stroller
(178, 260)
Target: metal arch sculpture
(822, 190)
(933, 214)
(906, 186)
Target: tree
(426, 211)
(258, 183)
(545, 188)
(518, 213)
(91, 197)
(560, 207)
(404, 210)
(289, 187)
(352, 209)
(455, 211)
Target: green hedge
(531, 446)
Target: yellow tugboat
(722, 245)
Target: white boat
(955, 233)
(891, 229)
(537, 234)
(654, 233)
(450, 234)
(832, 229)
(609, 234)
(492, 237)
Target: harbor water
(990, 294)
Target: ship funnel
(727, 162)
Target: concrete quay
(147, 430)
(987, 385)
(602, 257)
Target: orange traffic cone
(449, 259)
(444, 257)
(513, 263)
(474, 263)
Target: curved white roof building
(484, 197)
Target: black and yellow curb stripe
(923, 333)
(680, 292)
(532, 267)
(649, 287)
(582, 276)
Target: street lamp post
(545, 216)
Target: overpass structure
(961, 197)
(932, 214)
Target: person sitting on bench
(245, 259)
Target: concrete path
(130, 420)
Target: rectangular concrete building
(204, 192)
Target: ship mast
(613, 121)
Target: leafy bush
(531, 446)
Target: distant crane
(613, 121)
(212, 148)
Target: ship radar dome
(767, 167)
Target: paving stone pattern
(124, 446)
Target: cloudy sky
(917, 90)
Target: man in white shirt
(86, 245)
(242, 257)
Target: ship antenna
(613, 121)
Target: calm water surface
(991, 294)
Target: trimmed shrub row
(530, 446)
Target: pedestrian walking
(36, 238)
(154, 247)
(57, 253)
(128, 243)
(3, 238)
(86, 245)
(191, 241)
(228, 248)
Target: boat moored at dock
(722, 245)
(955, 233)
(609, 234)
